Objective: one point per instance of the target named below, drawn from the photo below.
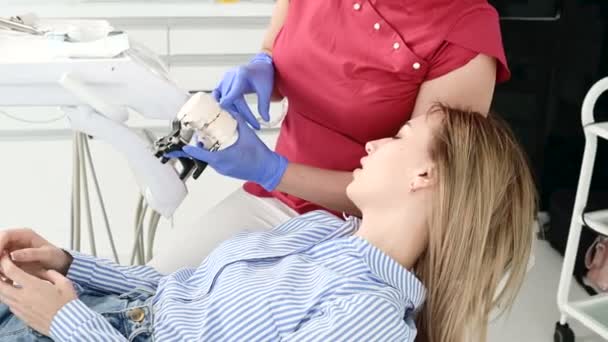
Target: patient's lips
(362, 161)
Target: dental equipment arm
(95, 82)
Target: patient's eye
(401, 134)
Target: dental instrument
(16, 24)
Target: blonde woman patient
(448, 206)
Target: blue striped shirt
(308, 279)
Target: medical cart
(591, 312)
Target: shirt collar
(389, 270)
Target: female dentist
(352, 71)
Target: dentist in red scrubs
(352, 71)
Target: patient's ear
(424, 178)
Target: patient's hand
(33, 253)
(36, 300)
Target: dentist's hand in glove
(247, 159)
(258, 77)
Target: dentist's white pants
(240, 211)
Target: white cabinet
(201, 50)
(150, 32)
(201, 38)
(197, 77)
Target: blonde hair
(480, 228)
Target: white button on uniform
(357, 6)
(396, 46)
(416, 66)
(376, 26)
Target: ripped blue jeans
(116, 309)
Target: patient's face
(393, 164)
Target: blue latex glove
(258, 77)
(247, 159)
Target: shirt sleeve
(76, 322)
(108, 277)
(476, 32)
(363, 318)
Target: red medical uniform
(351, 71)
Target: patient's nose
(374, 145)
(370, 147)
